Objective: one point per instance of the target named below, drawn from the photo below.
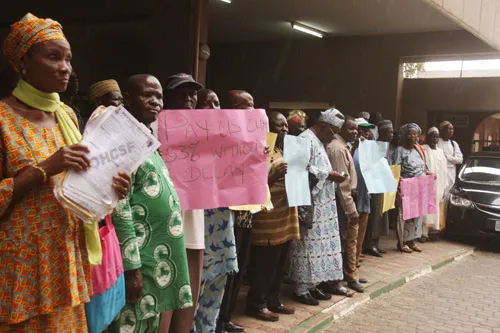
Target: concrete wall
(447, 94)
(160, 41)
(427, 102)
(355, 73)
(480, 17)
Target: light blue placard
(375, 168)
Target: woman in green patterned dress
(149, 227)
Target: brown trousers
(352, 236)
(363, 222)
(351, 247)
(349, 239)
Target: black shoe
(317, 294)
(381, 251)
(356, 286)
(232, 328)
(363, 281)
(374, 252)
(282, 309)
(334, 288)
(306, 299)
(263, 314)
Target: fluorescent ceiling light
(226, 1)
(307, 30)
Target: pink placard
(215, 157)
(419, 196)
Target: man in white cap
(317, 257)
(451, 150)
(366, 129)
(437, 164)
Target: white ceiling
(253, 20)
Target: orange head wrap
(25, 33)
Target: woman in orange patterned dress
(45, 278)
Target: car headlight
(455, 200)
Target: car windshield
(481, 169)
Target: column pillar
(173, 37)
(203, 19)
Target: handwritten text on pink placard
(419, 196)
(215, 157)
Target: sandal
(414, 246)
(404, 249)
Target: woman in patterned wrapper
(149, 228)
(411, 157)
(45, 271)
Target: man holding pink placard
(181, 93)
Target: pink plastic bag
(105, 275)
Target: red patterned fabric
(43, 259)
(71, 319)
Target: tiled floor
(380, 272)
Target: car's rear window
(482, 169)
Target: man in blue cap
(181, 92)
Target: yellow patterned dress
(44, 274)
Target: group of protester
(183, 269)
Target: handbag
(306, 213)
(108, 282)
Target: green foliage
(411, 69)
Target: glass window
(482, 169)
(452, 69)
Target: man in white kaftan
(437, 164)
(451, 150)
(317, 256)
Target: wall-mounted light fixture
(307, 30)
(226, 1)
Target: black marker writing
(232, 171)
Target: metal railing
(485, 145)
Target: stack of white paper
(117, 142)
(297, 153)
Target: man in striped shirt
(272, 232)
